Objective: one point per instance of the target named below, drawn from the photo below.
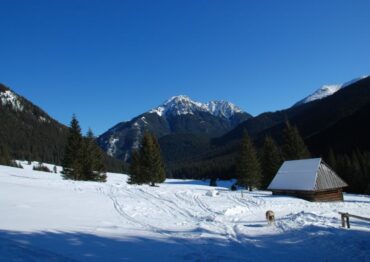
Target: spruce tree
(134, 171)
(248, 169)
(72, 151)
(294, 146)
(147, 166)
(90, 165)
(158, 169)
(95, 157)
(83, 159)
(271, 161)
(146, 160)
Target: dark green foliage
(113, 165)
(147, 166)
(83, 158)
(248, 171)
(271, 161)
(91, 160)
(354, 168)
(4, 156)
(30, 133)
(159, 171)
(41, 167)
(331, 159)
(294, 147)
(134, 171)
(72, 152)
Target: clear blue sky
(108, 61)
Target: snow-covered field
(46, 218)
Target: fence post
(343, 224)
(348, 221)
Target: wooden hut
(310, 179)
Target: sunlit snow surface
(183, 105)
(9, 98)
(46, 218)
(328, 90)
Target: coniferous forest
(83, 159)
(335, 128)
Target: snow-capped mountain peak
(324, 91)
(7, 97)
(183, 105)
(327, 90)
(222, 108)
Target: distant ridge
(327, 90)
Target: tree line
(255, 170)
(354, 168)
(83, 159)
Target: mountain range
(178, 117)
(327, 90)
(192, 133)
(338, 122)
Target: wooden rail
(345, 218)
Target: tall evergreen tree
(95, 157)
(248, 169)
(89, 165)
(83, 159)
(72, 150)
(294, 146)
(146, 160)
(158, 169)
(271, 161)
(147, 166)
(134, 171)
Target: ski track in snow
(173, 222)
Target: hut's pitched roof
(306, 175)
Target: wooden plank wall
(318, 196)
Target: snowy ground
(46, 218)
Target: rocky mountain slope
(178, 116)
(27, 131)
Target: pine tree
(248, 169)
(146, 160)
(90, 165)
(271, 161)
(294, 146)
(147, 166)
(83, 159)
(158, 169)
(95, 157)
(72, 150)
(134, 171)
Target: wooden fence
(345, 218)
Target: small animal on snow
(270, 217)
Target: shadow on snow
(305, 244)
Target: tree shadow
(304, 244)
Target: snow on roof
(297, 175)
(308, 174)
